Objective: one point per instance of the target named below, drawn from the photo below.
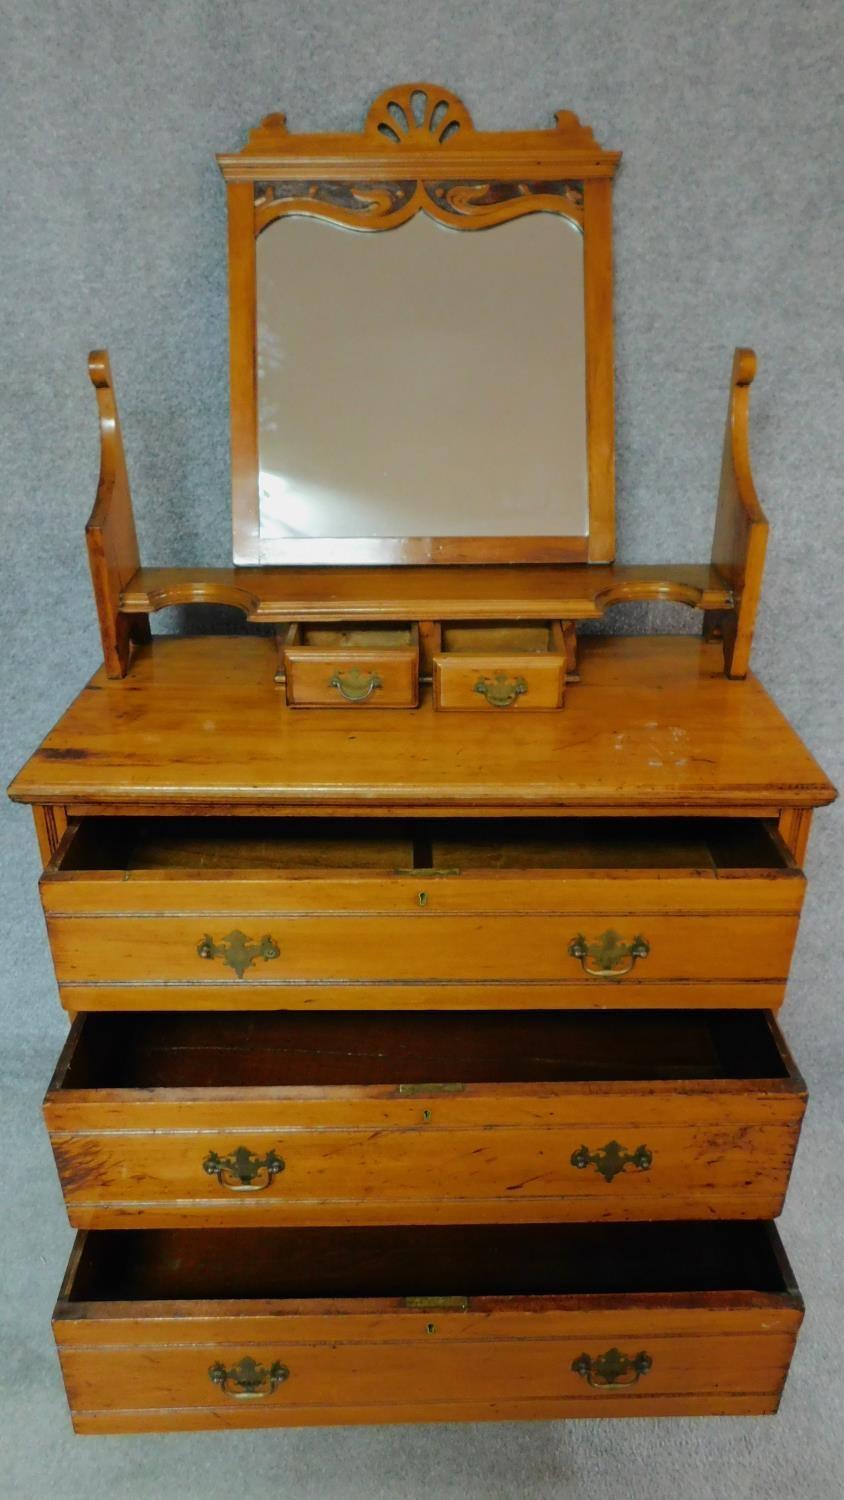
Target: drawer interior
(180, 1050)
(356, 637)
(707, 844)
(272, 844)
(500, 637)
(704, 845)
(428, 1260)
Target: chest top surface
(654, 724)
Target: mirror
(420, 336)
(421, 381)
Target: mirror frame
(419, 152)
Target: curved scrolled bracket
(381, 206)
(651, 591)
(110, 534)
(204, 586)
(741, 529)
(357, 205)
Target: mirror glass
(421, 381)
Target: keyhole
(426, 1114)
(423, 898)
(430, 1327)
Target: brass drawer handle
(612, 1371)
(501, 691)
(237, 951)
(611, 956)
(612, 1159)
(242, 1171)
(248, 1380)
(356, 686)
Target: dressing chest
(423, 955)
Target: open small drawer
(327, 913)
(291, 1118)
(490, 664)
(182, 1330)
(356, 665)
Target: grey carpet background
(728, 230)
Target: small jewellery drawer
(352, 666)
(487, 665)
(281, 1118)
(203, 913)
(163, 1330)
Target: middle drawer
(288, 1118)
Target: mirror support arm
(741, 530)
(110, 533)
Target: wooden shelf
(726, 590)
(429, 593)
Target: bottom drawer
(187, 1329)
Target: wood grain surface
(652, 724)
(714, 1341)
(423, 1118)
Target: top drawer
(566, 911)
(351, 666)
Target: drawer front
(284, 1382)
(294, 1119)
(418, 929)
(185, 1327)
(618, 1168)
(352, 679)
(244, 952)
(505, 684)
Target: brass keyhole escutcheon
(430, 1327)
(422, 898)
(426, 1115)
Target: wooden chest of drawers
(425, 1059)
(391, 1098)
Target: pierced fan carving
(383, 205)
(417, 113)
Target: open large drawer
(188, 1329)
(147, 913)
(288, 1118)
